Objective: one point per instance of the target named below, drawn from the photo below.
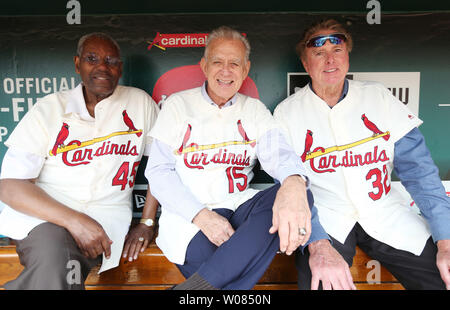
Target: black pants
(413, 272)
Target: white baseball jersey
(90, 165)
(348, 151)
(215, 152)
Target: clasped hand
(291, 213)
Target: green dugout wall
(37, 46)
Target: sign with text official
(23, 92)
(19, 94)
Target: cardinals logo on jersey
(187, 135)
(196, 156)
(193, 147)
(372, 127)
(81, 152)
(127, 120)
(244, 134)
(348, 159)
(308, 144)
(62, 136)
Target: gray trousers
(52, 261)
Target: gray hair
(225, 32)
(100, 35)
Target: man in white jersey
(220, 233)
(69, 172)
(350, 136)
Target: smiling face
(327, 65)
(99, 80)
(225, 68)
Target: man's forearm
(150, 207)
(166, 186)
(277, 157)
(26, 197)
(315, 246)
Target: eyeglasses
(335, 38)
(94, 60)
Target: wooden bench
(152, 271)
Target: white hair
(225, 32)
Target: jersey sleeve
(31, 134)
(278, 158)
(152, 115)
(166, 184)
(19, 164)
(281, 121)
(263, 119)
(166, 128)
(400, 117)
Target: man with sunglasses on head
(68, 175)
(350, 136)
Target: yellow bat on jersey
(345, 146)
(72, 147)
(211, 146)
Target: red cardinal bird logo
(244, 134)
(187, 135)
(308, 144)
(371, 126)
(129, 123)
(156, 42)
(62, 136)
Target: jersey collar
(343, 94)
(208, 99)
(76, 103)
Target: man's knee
(52, 258)
(47, 243)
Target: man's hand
(291, 213)
(215, 227)
(328, 266)
(89, 236)
(132, 245)
(24, 195)
(443, 261)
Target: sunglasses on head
(335, 38)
